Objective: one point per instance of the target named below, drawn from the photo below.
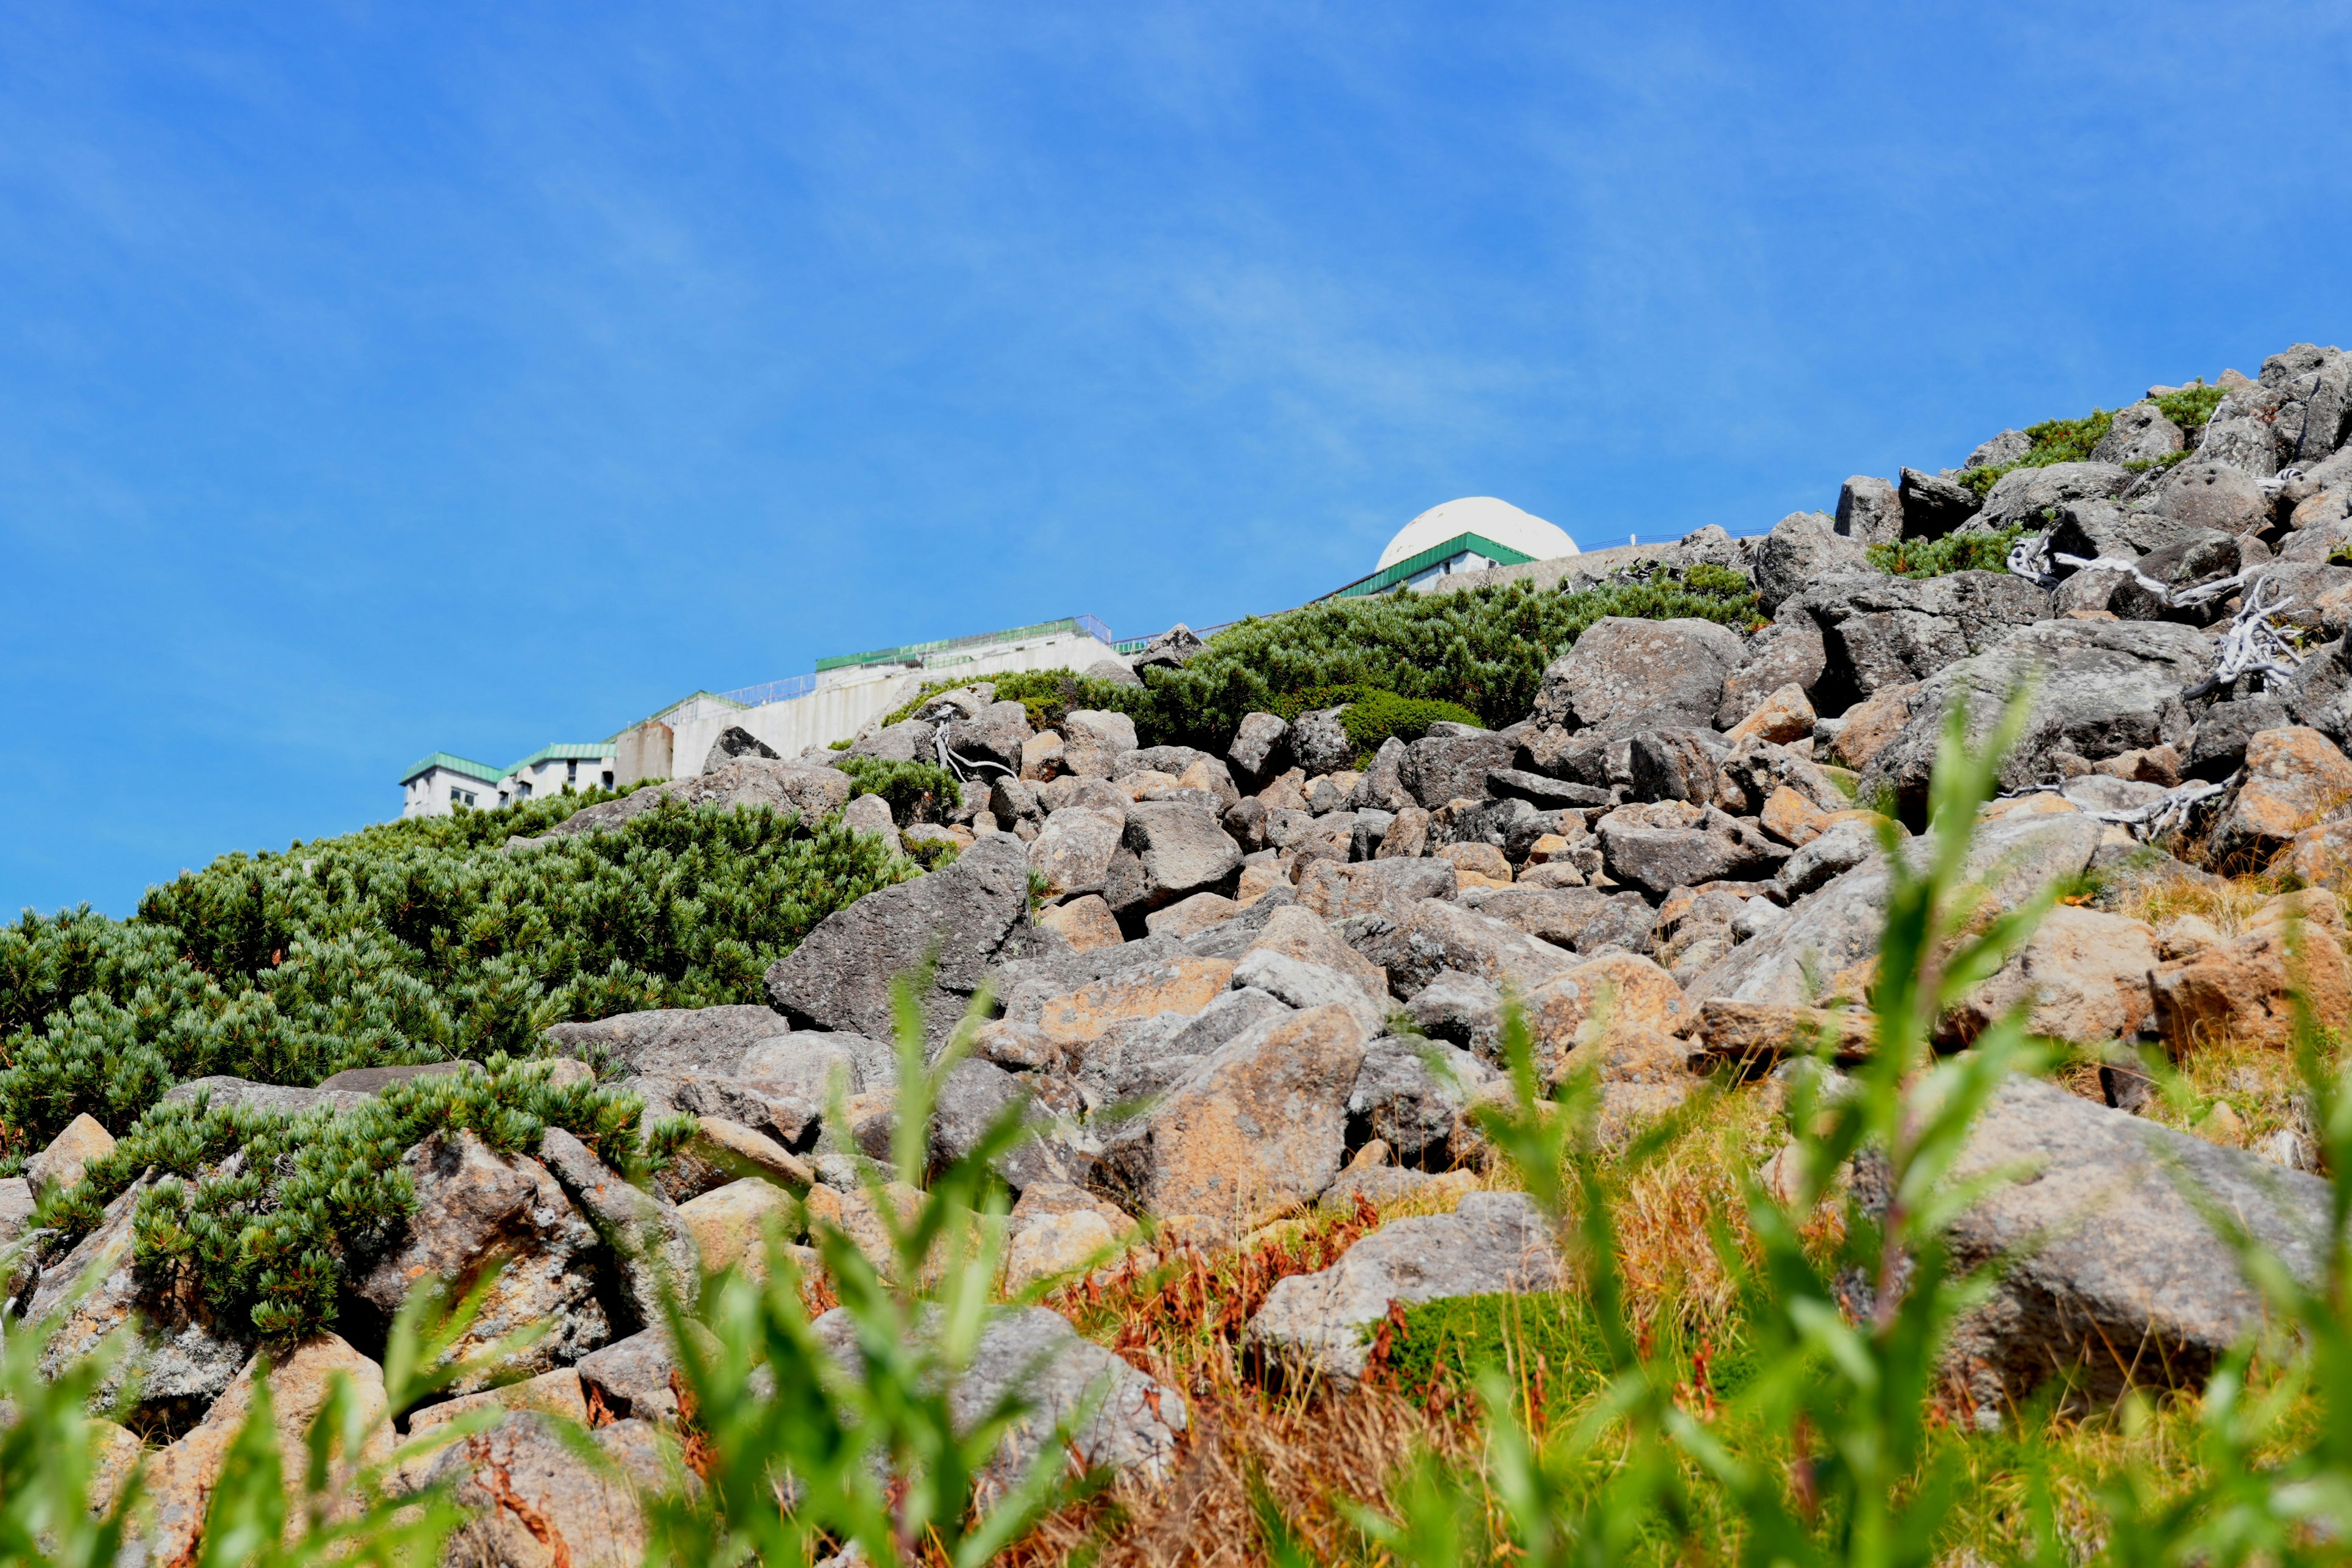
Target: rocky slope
(1225, 983)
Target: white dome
(1498, 519)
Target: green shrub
(915, 791)
(1047, 695)
(410, 941)
(1373, 716)
(320, 1193)
(2055, 441)
(1483, 648)
(2192, 407)
(1953, 552)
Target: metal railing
(771, 691)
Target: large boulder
(1932, 506)
(1577, 919)
(2097, 688)
(1315, 1325)
(2295, 777)
(1261, 747)
(1123, 1421)
(1418, 942)
(2104, 1267)
(476, 1206)
(1257, 1126)
(736, 741)
(2024, 495)
(531, 1500)
(1791, 961)
(1625, 675)
(2139, 434)
(2082, 977)
(1440, 767)
(2223, 496)
(1094, 739)
(1170, 849)
(1786, 653)
(754, 780)
(1074, 850)
(993, 736)
(1410, 1094)
(1658, 848)
(1879, 631)
(2243, 991)
(642, 1232)
(673, 1039)
(1802, 548)
(1870, 509)
(965, 918)
(1337, 888)
(1320, 742)
(2314, 411)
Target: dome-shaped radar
(1499, 520)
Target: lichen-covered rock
(675, 1039)
(2082, 976)
(1072, 851)
(1121, 1420)
(1802, 548)
(2241, 990)
(532, 1501)
(1258, 1125)
(1625, 675)
(1410, 1093)
(60, 1165)
(1418, 942)
(1170, 850)
(643, 1232)
(969, 917)
(1313, 1325)
(2295, 777)
(474, 1207)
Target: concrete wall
(428, 793)
(837, 710)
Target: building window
(461, 797)
(608, 778)
(571, 773)
(522, 789)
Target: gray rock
(973, 915)
(1439, 768)
(1121, 1421)
(805, 1065)
(2095, 528)
(1074, 850)
(474, 1205)
(1579, 919)
(2316, 387)
(787, 1109)
(1024, 983)
(736, 741)
(2140, 434)
(2319, 693)
(909, 741)
(1837, 851)
(372, 1080)
(528, 1497)
(655, 1251)
(1934, 507)
(1319, 743)
(1093, 740)
(975, 1095)
(1170, 850)
(993, 736)
(673, 1039)
(1142, 1057)
(1657, 860)
(1490, 821)
(1870, 509)
(2022, 495)
(634, 1375)
(1261, 747)
(1879, 631)
(870, 813)
(2196, 555)
(1754, 767)
(1838, 926)
(16, 1212)
(1786, 653)
(1542, 793)
(1460, 1009)
(1171, 650)
(1382, 787)
(2009, 446)
(743, 783)
(1169, 760)
(2218, 747)
(2098, 688)
(222, 1092)
(1295, 982)
(1418, 942)
(1677, 764)
(2111, 1274)
(1012, 800)
(1624, 674)
(1313, 1325)
(2206, 494)
(1410, 1093)
(1803, 547)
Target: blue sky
(377, 378)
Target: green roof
(567, 750)
(456, 764)
(1388, 577)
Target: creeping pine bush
(1953, 552)
(415, 940)
(916, 791)
(316, 1194)
(1373, 716)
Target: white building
(440, 783)
(1467, 535)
